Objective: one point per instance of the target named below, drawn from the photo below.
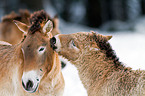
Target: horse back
(5, 50)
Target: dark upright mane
(104, 45)
(37, 19)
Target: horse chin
(35, 89)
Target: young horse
(9, 31)
(99, 68)
(31, 68)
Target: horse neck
(93, 68)
(98, 73)
(56, 69)
(54, 79)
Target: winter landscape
(128, 42)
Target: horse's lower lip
(32, 90)
(36, 88)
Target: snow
(73, 84)
(130, 48)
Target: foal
(99, 68)
(31, 68)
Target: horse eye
(73, 44)
(41, 49)
(41, 70)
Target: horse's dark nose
(53, 42)
(28, 86)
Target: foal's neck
(94, 68)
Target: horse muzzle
(30, 81)
(53, 43)
(29, 86)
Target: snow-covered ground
(73, 85)
(128, 45)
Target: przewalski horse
(99, 68)
(31, 68)
(9, 31)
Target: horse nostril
(29, 85)
(23, 84)
(53, 40)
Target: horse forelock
(38, 18)
(104, 45)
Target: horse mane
(104, 45)
(14, 16)
(36, 19)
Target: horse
(31, 68)
(9, 32)
(99, 68)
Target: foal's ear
(23, 27)
(47, 27)
(108, 37)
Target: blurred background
(124, 19)
(93, 13)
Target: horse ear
(23, 27)
(108, 37)
(47, 27)
(56, 21)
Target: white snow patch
(73, 84)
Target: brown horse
(9, 32)
(31, 68)
(99, 68)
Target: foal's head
(72, 46)
(38, 56)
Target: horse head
(37, 54)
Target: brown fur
(9, 31)
(14, 62)
(99, 68)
